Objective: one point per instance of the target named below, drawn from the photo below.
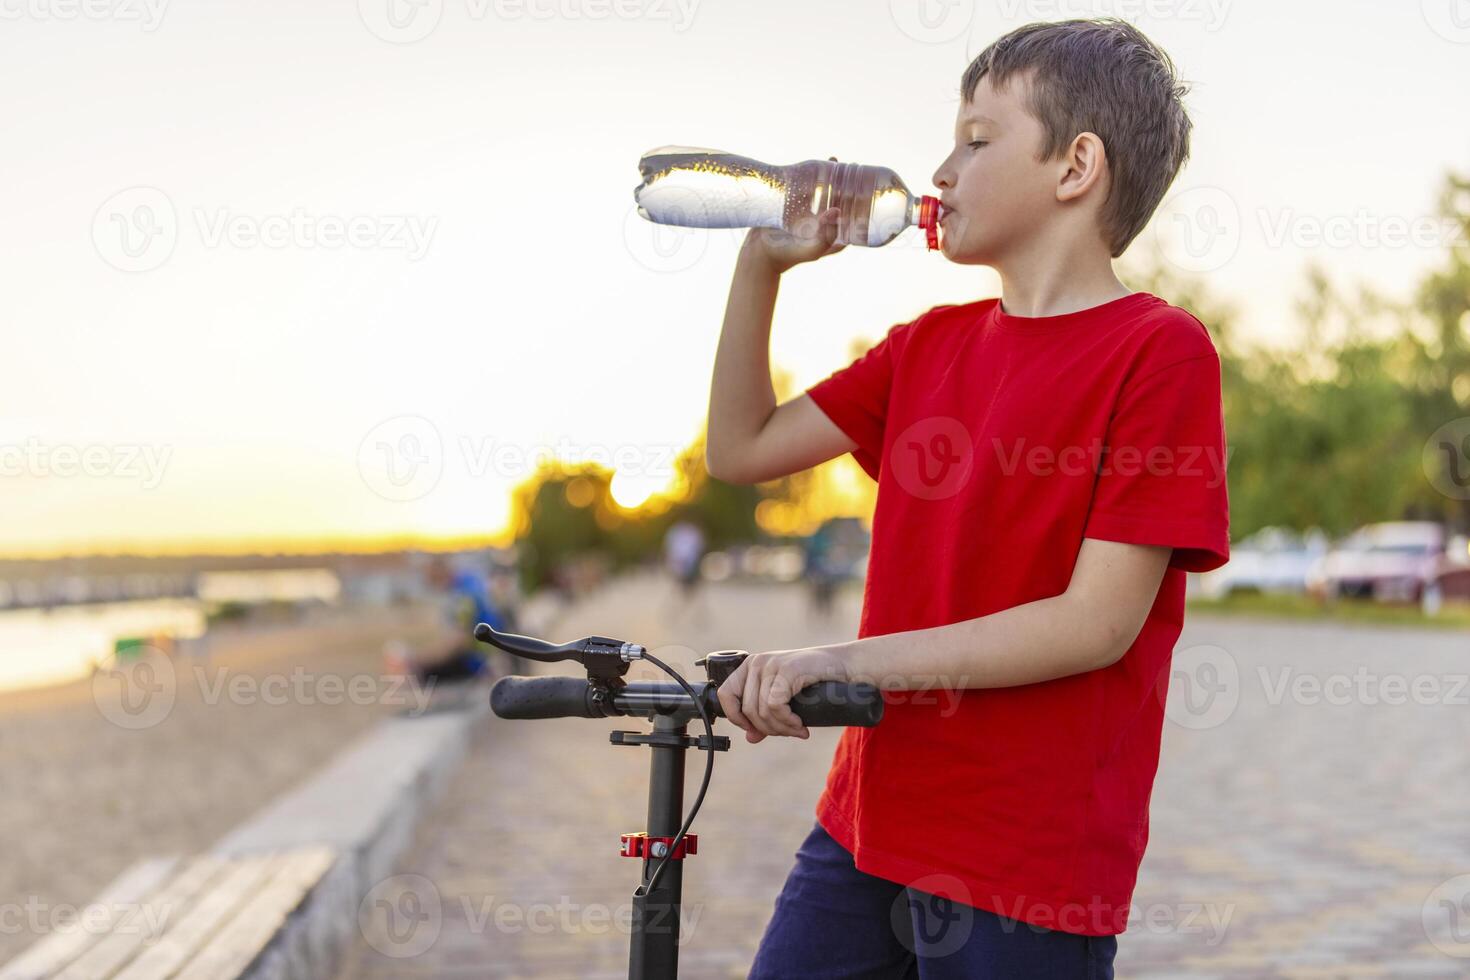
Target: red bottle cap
(929, 219)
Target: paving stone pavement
(1309, 820)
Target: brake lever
(605, 658)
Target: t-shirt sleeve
(855, 398)
(1161, 479)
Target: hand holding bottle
(812, 239)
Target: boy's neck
(1052, 284)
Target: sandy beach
(85, 795)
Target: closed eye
(976, 143)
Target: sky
(292, 272)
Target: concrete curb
(364, 805)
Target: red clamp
(640, 845)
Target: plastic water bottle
(699, 188)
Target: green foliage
(1330, 432)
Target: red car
(1397, 561)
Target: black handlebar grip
(544, 697)
(830, 704)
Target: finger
(729, 696)
(776, 716)
(750, 700)
(781, 691)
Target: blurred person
(820, 570)
(683, 552)
(461, 598)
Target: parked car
(1403, 561)
(1274, 559)
(1453, 579)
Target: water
(701, 188)
(39, 647)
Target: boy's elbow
(1115, 638)
(719, 467)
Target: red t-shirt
(999, 443)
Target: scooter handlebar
(826, 704)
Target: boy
(1049, 465)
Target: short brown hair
(1104, 77)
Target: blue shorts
(832, 921)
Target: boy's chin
(965, 253)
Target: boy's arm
(1089, 626)
(750, 438)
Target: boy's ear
(1084, 165)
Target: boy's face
(997, 195)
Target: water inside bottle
(704, 188)
(699, 188)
